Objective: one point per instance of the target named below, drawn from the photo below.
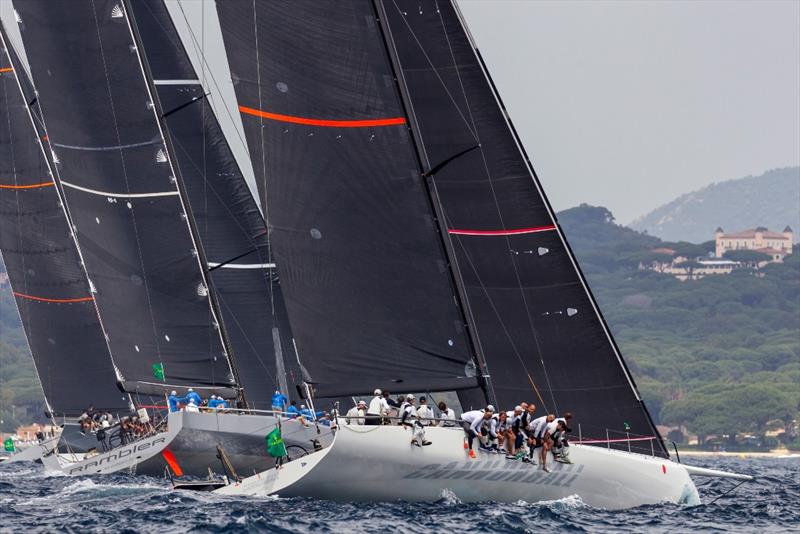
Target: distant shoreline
(777, 453)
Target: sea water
(32, 500)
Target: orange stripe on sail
(57, 301)
(393, 121)
(29, 186)
(7, 69)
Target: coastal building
(777, 245)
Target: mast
(427, 174)
(158, 114)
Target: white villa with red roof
(774, 244)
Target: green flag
(8, 445)
(158, 371)
(275, 446)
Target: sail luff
(202, 261)
(436, 205)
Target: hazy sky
(625, 104)
(629, 104)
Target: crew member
(447, 417)
(424, 412)
(355, 416)
(409, 419)
(174, 401)
(472, 422)
(193, 395)
(377, 408)
(279, 402)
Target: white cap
(517, 408)
(302, 405)
(490, 408)
(409, 397)
(362, 402)
(174, 392)
(378, 392)
(277, 392)
(190, 389)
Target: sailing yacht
(420, 254)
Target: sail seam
(120, 195)
(330, 123)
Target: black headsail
(537, 323)
(124, 197)
(50, 286)
(228, 221)
(365, 277)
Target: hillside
(720, 354)
(770, 200)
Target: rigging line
(435, 70)
(57, 301)
(243, 330)
(497, 206)
(107, 148)
(500, 319)
(28, 186)
(328, 123)
(264, 205)
(204, 64)
(226, 262)
(113, 109)
(444, 163)
(233, 216)
(184, 105)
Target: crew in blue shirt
(279, 401)
(293, 411)
(213, 402)
(193, 395)
(174, 401)
(308, 414)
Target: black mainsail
(365, 277)
(232, 231)
(49, 284)
(530, 306)
(303, 75)
(130, 215)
